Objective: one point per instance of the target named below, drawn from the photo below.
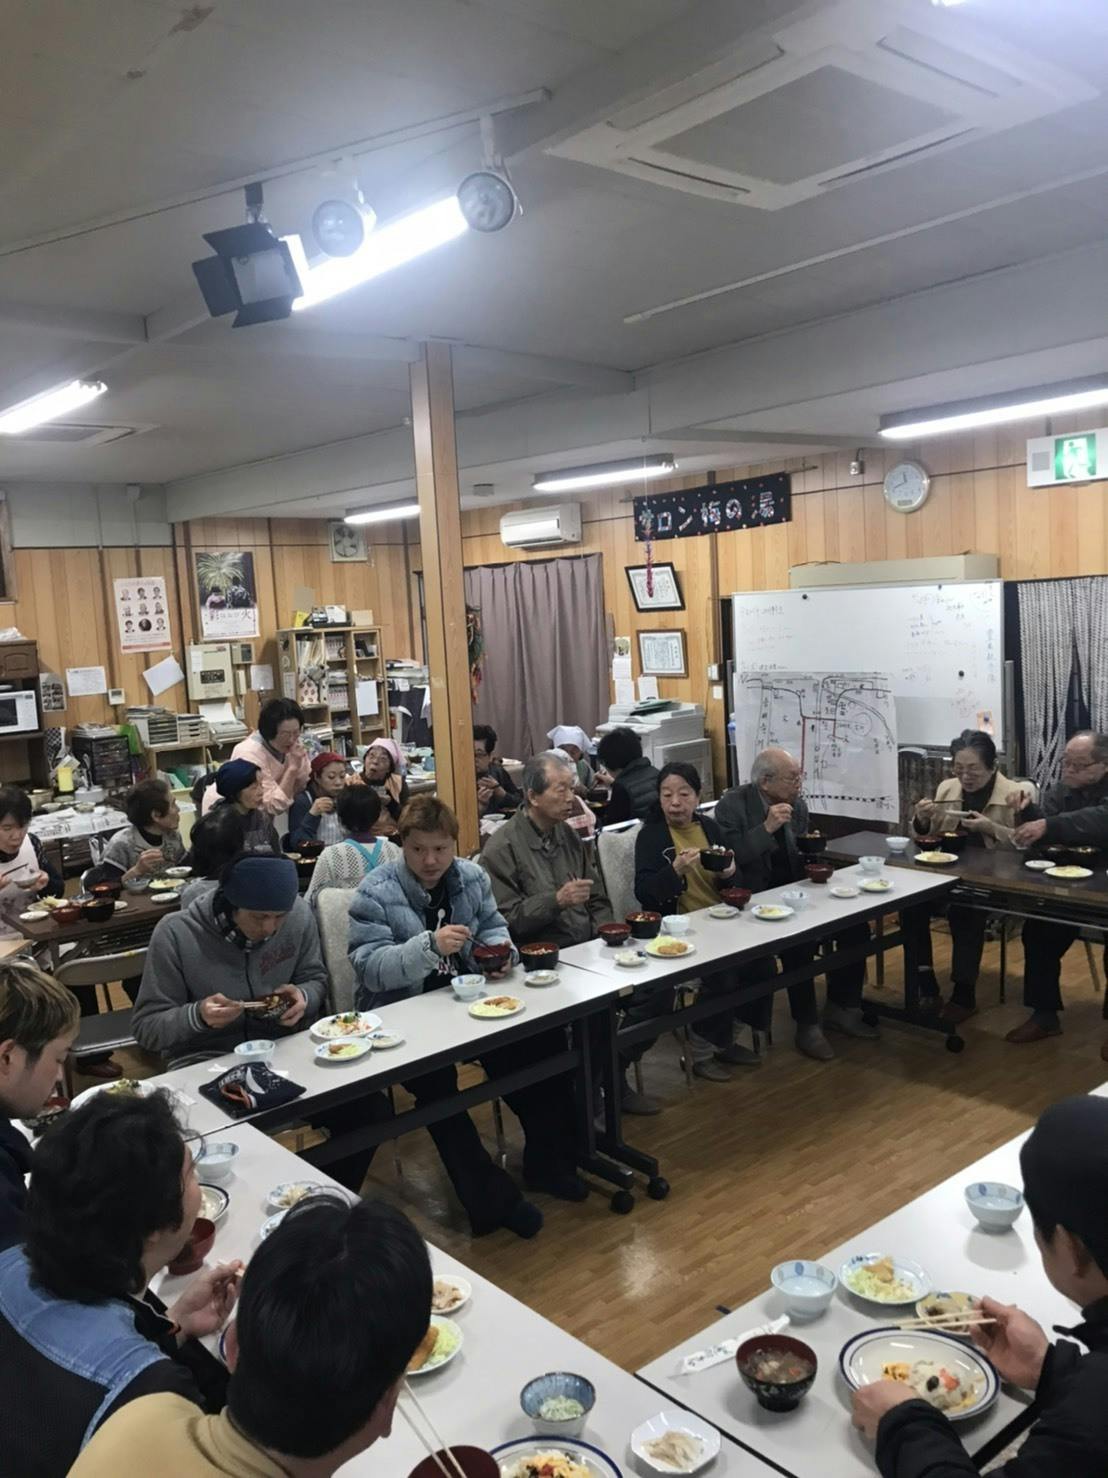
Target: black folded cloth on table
(249, 1088)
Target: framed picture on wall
(662, 654)
(348, 542)
(666, 593)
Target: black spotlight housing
(252, 273)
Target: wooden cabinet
(337, 675)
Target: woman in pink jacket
(278, 753)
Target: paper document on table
(162, 675)
(218, 713)
(85, 682)
(368, 704)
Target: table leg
(611, 1139)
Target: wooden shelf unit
(346, 656)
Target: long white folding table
(936, 1230)
(474, 1399)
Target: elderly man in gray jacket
(760, 822)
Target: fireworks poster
(228, 595)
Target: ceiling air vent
(74, 433)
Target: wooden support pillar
(440, 532)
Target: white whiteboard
(942, 646)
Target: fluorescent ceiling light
(605, 474)
(49, 405)
(994, 410)
(389, 246)
(384, 513)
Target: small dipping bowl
(136, 885)
(558, 1383)
(896, 845)
(675, 923)
(716, 859)
(995, 1205)
(539, 956)
(645, 925)
(736, 897)
(614, 935)
(468, 987)
(216, 1160)
(806, 1287)
(819, 872)
(474, 1462)
(795, 898)
(260, 1049)
(871, 866)
(776, 1395)
(196, 1249)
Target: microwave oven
(18, 711)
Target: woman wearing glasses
(981, 802)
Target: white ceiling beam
(730, 437)
(75, 323)
(544, 369)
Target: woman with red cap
(312, 815)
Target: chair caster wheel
(622, 1203)
(955, 1044)
(657, 1188)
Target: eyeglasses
(968, 770)
(1080, 766)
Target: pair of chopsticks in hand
(436, 1448)
(953, 1320)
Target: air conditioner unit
(542, 528)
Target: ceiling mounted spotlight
(341, 224)
(252, 273)
(487, 201)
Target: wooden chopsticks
(455, 1469)
(953, 1320)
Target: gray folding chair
(107, 1031)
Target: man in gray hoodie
(251, 937)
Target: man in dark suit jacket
(760, 822)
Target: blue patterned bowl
(558, 1383)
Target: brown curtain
(546, 648)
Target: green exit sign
(1081, 456)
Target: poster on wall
(142, 614)
(228, 594)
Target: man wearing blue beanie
(252, 937)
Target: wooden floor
(789, 1159)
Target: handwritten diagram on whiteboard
(840, 726)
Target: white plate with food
(449, 1293)
(344, 1025)
(843, 890)
(939, 1303)
(553, 1457)
(271, 1224)
(881, 1279)
(876, 885)
(492, 1008)
(772, 913)
(675, 1444)
(936, 859)
(214, 1201)
(438, 1346)
(164, 885)
(669, 947)
(723, 911)
(629, 959)
(290, 1193)
(945, 1372)
(165, 897)
(121, 1088)
(31, 915)
(1039, 864)
(1070, 873)
(341, 1052)
(178, 872)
